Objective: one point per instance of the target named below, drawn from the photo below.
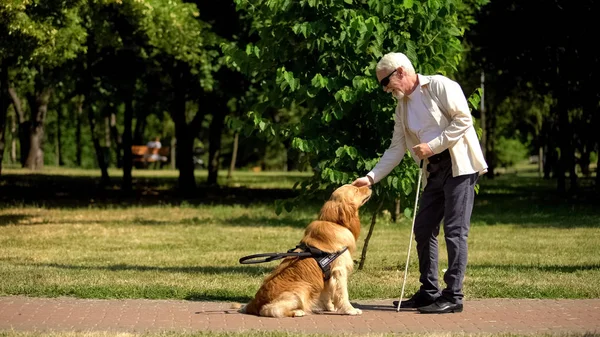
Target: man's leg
(427, 228)
(459, 194)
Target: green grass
(61, 236)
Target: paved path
(480, 316)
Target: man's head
(396, 74)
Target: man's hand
(363, 181)
(422, 151)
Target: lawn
(60, 235)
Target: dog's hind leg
(286, 305)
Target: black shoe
(417, 300)
(441, 306)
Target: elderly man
(433, 121)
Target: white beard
(399, 95)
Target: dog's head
(342, 207)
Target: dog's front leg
(325, 299)
(339, 284)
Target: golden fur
(296, 287)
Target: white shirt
(154, 144)
(448, 106)
(420, 121)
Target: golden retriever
(297, 286)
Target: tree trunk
(4, 103)
(482, 118)
(116, 137)
(59, 156)
(104, 179)
(140, 126)
(363, 255)
(185, 142)
(107, 131)
(540, 162)
(598, 174)
(78, 116)
(565, 152)
(214, 146)
(23, 125)
(233, 154)
(39, 109)
(173, 153)
(13, 142)
(184, 149)
(127, 142)
(397, 211)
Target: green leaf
(408, 4)
(408, 212)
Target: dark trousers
(451, 199)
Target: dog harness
(324, 259)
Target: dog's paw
(298, 313)
(352, 312)
(329, 307)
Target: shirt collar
(423, 80)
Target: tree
(322, 55)
(41, 36)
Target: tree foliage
(322, 55)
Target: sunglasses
(386, 80)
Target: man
(433, 120)
(153, 150)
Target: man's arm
(393, 155)
(453, 100)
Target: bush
(510, 151)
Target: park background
(266, 106)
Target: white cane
(411, 234)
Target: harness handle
(267, 257)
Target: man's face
(396, 81)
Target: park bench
(141, 155)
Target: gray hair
(391, 61)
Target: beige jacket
(445, 100)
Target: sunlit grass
(524, 243)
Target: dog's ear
(344, 214)
(330, 211)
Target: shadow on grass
(507, 199)
(533, 202)
(208, 270)
(248, 221)
(241, 221)
(57, 191)
(528, 268)
(12, 219)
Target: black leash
(324, 259)
(267, 257)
